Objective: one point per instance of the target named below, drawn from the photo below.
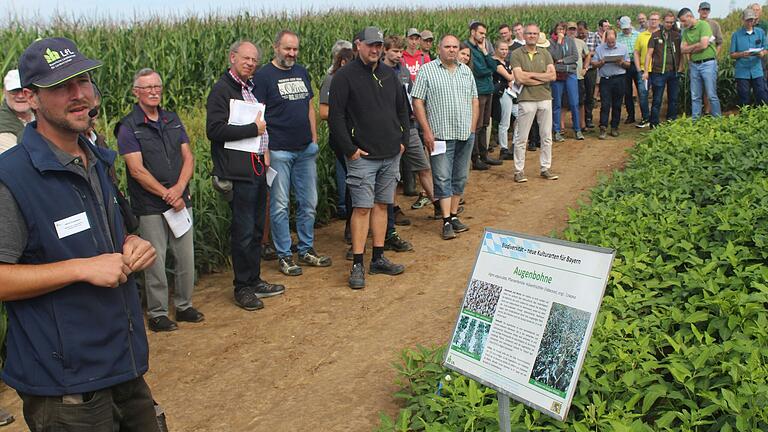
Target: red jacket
(413, 62)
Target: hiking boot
(189, 314)
(448, 232)
(268, 252)
(579, 136)
(505, 154)
(400, 218)
(458, 227)
(312, 258)
(520, 177)
(385, 266)
(614, 132)
(602, 135)
(479, 165)
(246, 298)
(558, 137)
(422, 201)
(265, 289)
(288, 267)
(161, 324)
(590, 125)
(643, 123)
(357, 276)
(491, 161)
(547, 174)
(397, 244)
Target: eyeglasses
(149, 88)
(532, 33)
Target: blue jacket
(79, 338)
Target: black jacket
(227, 164)
(368, 109)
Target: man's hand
(598, 63)
(106, 270)
(179, 204)
(138, 253)
(172, 194)
(266, 158)
(429, 141)
(402, 149)
(645, 76)
(261, 124)
(358, 154)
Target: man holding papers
(242, 171)
(445, 104)
(159, 164)
(612, 61)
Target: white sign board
(527, 317)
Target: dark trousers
(658, 82)
(756, 85)
(249, 204)
(590, 82)
(631, 83)
(611, 94)
(128, 405)
(483, 120)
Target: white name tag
(72, 225)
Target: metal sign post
(505, 423)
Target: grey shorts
(372, 181)
(414, 157)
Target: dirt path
(319, 357)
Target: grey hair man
(15, 112)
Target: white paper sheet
(271, 174)
(243, 113)
(179, 221)
(439, 148)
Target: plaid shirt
(447, 98)
(628, 40)
(593, 40)
(247, 89)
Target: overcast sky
(125, 10)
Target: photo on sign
(470, 337)
(559, 348)
(482, 298)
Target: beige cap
(543, 42)
(426, 34)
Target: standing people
(445, 103)
(413, 56)
(15, 112)
(243, 172)
(628, 37)
(612, 60)
(502, 79)
(702, 62)
(582, 63)
(534, 68)
(78, 348)
(748, 48)
(483, 67)
(592, 40)
(566, 56)
(717, 33)
(519, 41)
(159, 164)
(427, 39)
(368, 117)
(642, 22)
(664, 61)
(639, 53)
(283, 86)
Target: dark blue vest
(79, 338)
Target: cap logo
(58, 58)
(381, 35)
(51, 56)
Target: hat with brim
(371, 35)
(571, 25)
(412, 32)
(49, 62)
(426, 34)
(12, 81)
(748, 14)
(543, 42)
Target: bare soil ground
(319, 357)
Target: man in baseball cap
(427, 39)
(14, 111)
(75, 325)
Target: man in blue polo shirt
(612, 60)
(748, 48)
(77, 348)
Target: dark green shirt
(536, 62)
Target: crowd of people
(417, 108)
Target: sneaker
(491, 161)
(614, 132)
(505, 154)
(161, 324)
(397, 244)
(357, 276)
(349, 256)
(602, 135)
(643, 123)
(288, 267)
(265, 289)
(312, 258)
(422, 201)
(479, 165)
(247, 299)
(579, 136)
(385, 266)
(590, 125)
(629, 120)
(458, 227)
(459, 210)
(268, 252)
(548, 175)
(520, 177)
(189, 314)
(558, 137)
(400, 218)
(448, 232)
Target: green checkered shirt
(628, 40)
(448, 99)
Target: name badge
(72, 225)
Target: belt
(701, 61)
(612, 76)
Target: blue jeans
(450, 169)
(297, 169)
(704, 77)
(558, 87)
(642, 94)
(658, 82)
(249, 203)
(757, 85)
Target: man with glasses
(159, 165)
(663, 64)
(748, 48)
(696, 43)
(15, 112)
(612, 61)
(427, 39)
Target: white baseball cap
(12, 80)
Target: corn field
(191, 53)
